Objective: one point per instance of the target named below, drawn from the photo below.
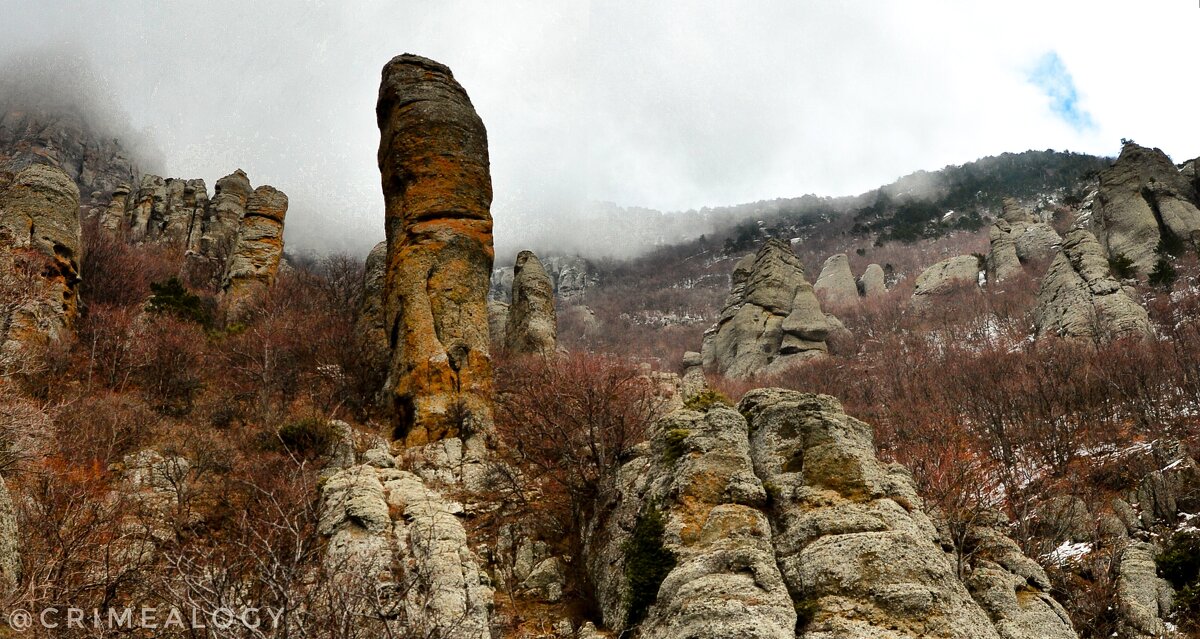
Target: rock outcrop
(835, 285)
(61, 135)
(771, 319)
(497, 322)
(255, 259)
(1144, 596)
(1143, 200)
(531, 325)
(950, 276)
(39, 213)
(403, 546)
(1018, 238)
(433, 159)
(1079, 299)
(873, 282)
(777, 520)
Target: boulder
(1079, 299)
(693, 382)
(1013, 589)
(771, 319)
(39, 213)
(531, 326)
(835, 285)
(256, 254)
(872, 282)
(950, 276)
(433, 160)
(1144, 199)
(1002, 260)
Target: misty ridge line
(60, 82)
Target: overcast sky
(669, 105)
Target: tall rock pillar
(433, 161)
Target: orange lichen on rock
(39, 218)
(433, 161)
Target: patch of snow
(1068, 552)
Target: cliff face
(433, 159)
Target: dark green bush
(309, 438)
(1164, 274)
(647, 563)
(1179, 563)
(1122, 267)
(173, 297)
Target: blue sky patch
(1051, 76)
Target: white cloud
(671, 105)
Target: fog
(595, 105)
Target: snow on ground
(1068, 552)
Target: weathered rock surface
(771, 319)
(835, 285)
(1013, 589)
(63, 136)
(391, 532)
(1079, 299)
(1016, 239)
(255, 259)
(10, 541)
(872, 282)
(697, 476)
(433, 159)
(850, 537)
(781, 507)
(170, 211)
(951, 275)
(497, 322)
(531, 325)
(1143, 198)
(39, 212)
(1144, 596)
(372, 327)
(693, 380)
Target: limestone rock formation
(169, 210)
(872, 282)
(387, 528)
(947, 277)
(63, 136)
(572, 277)
(696, 485)
(779, 508)
(1144, 199)
(39, 212)
(771, 319)
(255, 259)
(531, 325)
(693, 380)
(371, 324)
(1017, 238)
(836, 284)
(433, 159)
(1145, 597)
(1079, 299)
